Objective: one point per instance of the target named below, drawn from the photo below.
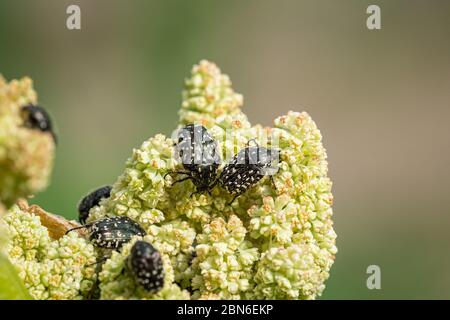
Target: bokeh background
(381, 99)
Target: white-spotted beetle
(198, 152)
(247, 167)
(146, 266)
(112, 233)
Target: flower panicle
(276, 241)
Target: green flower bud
(290, 272)
(49, 269)
(208, 96)
(224, 262)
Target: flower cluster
(116, 281)
(273, 242)
(276, 241)
(61, 268)
(26, 156)
(224, 262)
(208, 97)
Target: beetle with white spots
(198, 152)
(146, 266)
(112, 233)
(247, 168)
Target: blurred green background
(381, 99)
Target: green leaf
(11, 287)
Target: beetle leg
(273, 183)
(194, 193)
(231, 202)
(212, 185)
(99, 261)
(181, 180)
(177, 172)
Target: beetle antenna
(231, 202)
(76, 228)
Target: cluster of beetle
(200, 158)
(199, 155)
(144, 261)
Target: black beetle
(112, 233)
(197, 151)
(247, 167)
(35, 117)
(90, 201)
(146, 265)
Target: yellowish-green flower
(275, 241)
(238, 247)
(26, 156)
(50, 269)
(224, 262)
(291, 272)
(208, 97)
